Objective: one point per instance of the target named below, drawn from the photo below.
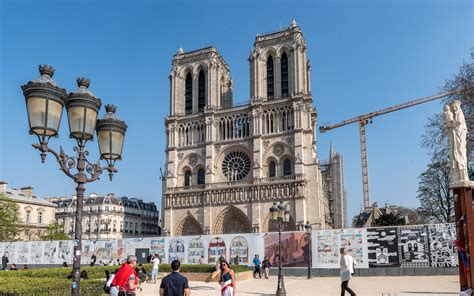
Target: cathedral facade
(226, 165)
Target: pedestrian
(109, 288)
(93, 259)
(149, 258)
(13, 267)
(65, 264)
(347, 264)
(126, 279)
(266, 266)
(156, 265)
(174, 284)
(227, 281)
(201, 260)
(4, 261)
(221, 257)
(25, 266)
(256, 263)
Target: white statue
(456, 129)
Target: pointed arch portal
(189, 226)
(232, 220)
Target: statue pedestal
(463, 208)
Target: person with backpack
(154, 271)
(126, 279)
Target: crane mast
(365, 119)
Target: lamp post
(309, 229)
(281, 215)
(45, 101)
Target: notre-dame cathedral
(227, 164)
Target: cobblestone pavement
(328, 286)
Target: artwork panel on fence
(443, 251)
(326, 247)
(22, 253)
(196, 250)
(216, 248)
(176, 250)
(239, 250)
(294, 248)
(413, 246)
(65, 250)
(158, 247)
(383, 247)
(355, 241)
(105, 251)
(36, 252)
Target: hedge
(54, 282)
(98, 272)
(44, 286)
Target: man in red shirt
(126, 279)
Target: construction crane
(365, 119)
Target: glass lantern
(82, 110)
(44, 103)
(111, 132)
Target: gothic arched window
(270, 84)
(201, 90)
(271, 169)
(187, 178)
(284, 75)
(287, 167)
(188, 93)
(201, 177)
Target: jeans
(257, 270)
(267, 272)
(345, 287)
(154, 274)
(114, 291)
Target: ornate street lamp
(45, 101)
(309, 229)
(280, 214)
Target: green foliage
(414, 217)
(54, 231)
(9, 216)
(46, 286)
(436, 201)
(390, 219)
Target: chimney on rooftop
(27, 191)
(3, 187)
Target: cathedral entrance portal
(189, 226)
(232, 220)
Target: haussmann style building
(109, 216)
(227, 164)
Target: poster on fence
(157, 247)
(294, 249)
(22, 253)
(355, 241)
(239, 250)
(326, 247)
(36, 252)
(196, 251)
(413, 246)
(442, 249)
(176, 250)
(382, 245)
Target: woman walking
(347, 270)
(227, 281)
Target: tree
(54, 231)
(9, 216)
(414, 217)
(390, 219)
(436, 200)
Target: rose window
(236, 165)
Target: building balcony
(260, 189)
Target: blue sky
(365, 55)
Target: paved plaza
(363, 286)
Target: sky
(365, 55)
